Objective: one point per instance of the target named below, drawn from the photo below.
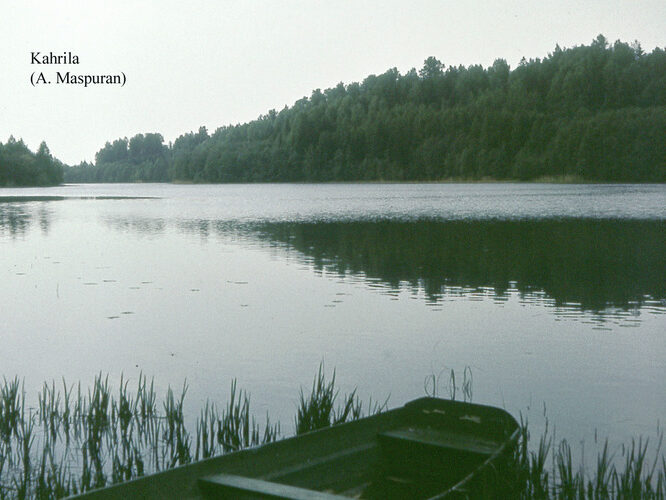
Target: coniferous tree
(589, 112)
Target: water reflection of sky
(196, 285)
(617, 282)
(331, 202)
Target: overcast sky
(222, 62)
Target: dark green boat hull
(430, 448)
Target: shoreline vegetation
(20, 167)
(546, 179)
(77, 440)
(590, 113)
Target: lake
(554, 296)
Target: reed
(632, 480)
(176, 437)
(567, 479)
(432, 384)
(318, 409)
(74, 441)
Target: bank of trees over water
(21, 167)
(144, 157)
(594, 112)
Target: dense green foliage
(21, 167)
(142, 158)
(594, 112)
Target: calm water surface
(554, 295)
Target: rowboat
(429, 448)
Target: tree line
(21, 167)
(593, 112)
(143, 158)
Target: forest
(588, 113)
(21, 167)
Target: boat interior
(432, 456)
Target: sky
(219, 62)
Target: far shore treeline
(21, 167)
(587, 113)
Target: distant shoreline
(568, 180)
(542, 180)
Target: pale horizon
(219, 63)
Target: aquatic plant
(75, 441)
(318, 409)
(433, 382)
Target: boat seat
(432, 457)
(440, 438)
(233, 486)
